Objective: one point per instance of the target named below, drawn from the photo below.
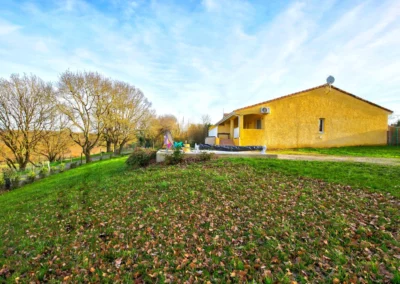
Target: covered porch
(239, 130)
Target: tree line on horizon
(84, 108)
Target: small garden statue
(264, 149)
(167, 140)
(178, 145)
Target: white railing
(236, 132)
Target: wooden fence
(393, 136)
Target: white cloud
(222, 57)
(210, 5)
(72, 5)
(41, 46)
(7, 28)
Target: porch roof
(225, 118)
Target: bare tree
(85, 98)
(108, 136)
(394, 119)
(25, 108)
(206, 120)
(130, 109)
(109, 129)
(197, 133)
(57, 141)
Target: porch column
(231, 129)
(240, 120)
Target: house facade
(324, 116)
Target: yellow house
(324, 116)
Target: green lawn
(356, 151)
(78, 159)
(375, 178)
(238, 220)
(56, 163)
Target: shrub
(61, 167)
(16, 181)
(73, 165)
(53, 169)
(141, 157)
(9, 173)
(9, 176)
(204, 156)
(175, 158)
(2, 182)
(31, 176)
(44, 172)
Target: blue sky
(202, 57)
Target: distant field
(356, 151)
(73, 151)
(229, 220)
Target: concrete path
(382, 161)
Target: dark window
(322, 125)
(258, 126)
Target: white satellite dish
(330, 80)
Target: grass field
(30, 167)
(238, 220)
(375, 178)
(106, 155)
(356, 151)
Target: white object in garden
(264, 150)
(197, 148)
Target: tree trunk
(108, 145)
(26, 159)
(22, 165)
(52, 157)
(121, 146)
(22, 162)
(88, 158)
